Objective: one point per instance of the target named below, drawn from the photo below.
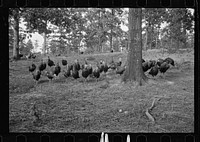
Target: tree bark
(111, 30)
(134, 70)
(146, 39)
(16, 34)
(45, 36)
(44, 43)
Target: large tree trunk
(134, 70)
(16, 34)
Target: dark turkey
(120, 70)
(32, 68)
(64, 62)
(42, 65)
(96, 73)
(169, 61)
(164, 67)
(50, 62)
(36, 75)
(160, 61)
(75, 73)
(154, 71)
(57, 69)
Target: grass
(68, 105)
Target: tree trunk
(111, 41)
(99, 49)
(111, 31)
(45, 36)
(44, 43)
(185, 38)
(134, 70)
(156, 39)
(146, 39)
(16, 34)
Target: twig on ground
(150, 109)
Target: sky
(39, 38)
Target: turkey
(70, 67)
(29, 56)
(152, 63)
(50, 75)
(169, 61)
(77, 65)
(50, 62)
(85, 72)
(112, 64)
(57, 69)
(42, 66)
(32, 67)
(36, 76)
(120, 70)
(146, 66)
(160, 61)
(119, 63)
(21, 55)
(154, 71)
(67, 73)
(164, 67)
(101, 66)
(64, 62)
(89, 68)
(96, 73)
(75, 73)
(105, 69)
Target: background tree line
(67, 30)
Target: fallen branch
(150, 109)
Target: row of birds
(72, 70)
(156, 66)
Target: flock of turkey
(86, 70)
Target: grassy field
(68, 105)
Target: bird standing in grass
(119, 63)
(57, 69)
(50, 62)
(105, 69)
(90, 69)
(154, 71)
(67, 73)
(101, 66)
(77, 65)
(146, 66)
(36, 75)
(32, 67)
(64, 62)
(112, 65)
(169, 61)
(160, 61)
(85, 72)
(164, 67)
(75, 73)
(120, 70)
(96, 73)
(50, 75)
(42, 66)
